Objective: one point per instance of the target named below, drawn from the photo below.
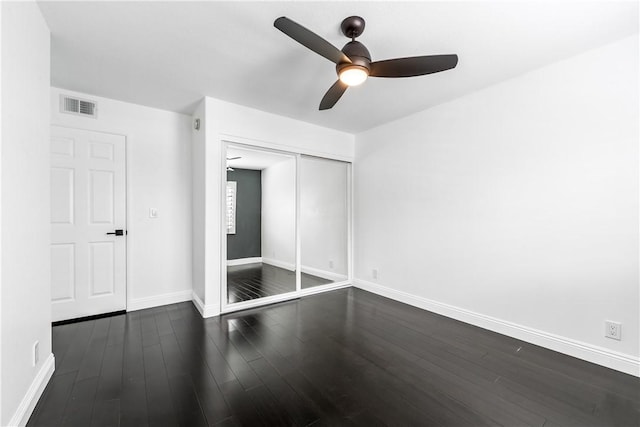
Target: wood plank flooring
(339, 358)
(258, 280)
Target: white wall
(25, 294)
(225, 121)
(324, 217)
(1, 117)
(159, 264)
(279, 214)
(516, 207)
(198, 186)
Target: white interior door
(88, 203)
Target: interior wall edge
(210, 310)
(25, 187)
(626, 363)
(33, 394)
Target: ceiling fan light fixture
(353, 75)
(353, 62)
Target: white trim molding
(210, 310)
(28, 403)
(278, 263)
(289, 296)
(293, 149)
(324, 288)
(159, 300)
(329, 275)
(611, 359)
(243, 261)
(325, 274)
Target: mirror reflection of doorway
(261, 218)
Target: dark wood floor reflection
(345, 357)
(258, 280)
(309, 281)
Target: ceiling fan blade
(310, 39)
(333, 95)
(413, 66)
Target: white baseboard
(278, 263)
(28, 403)
(243, 261)
(324, 288)
(611, 359)
(325, 274)
(210, 310)
(159, 300)
(329, 275)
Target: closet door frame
(225, 306)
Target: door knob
(117, 233)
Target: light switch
(153, 213)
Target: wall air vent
(80, 107)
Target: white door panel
(62, 179)
(88, 194)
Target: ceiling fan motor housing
(358, 54)
(352, 26)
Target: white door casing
(88, 200)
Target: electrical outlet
(153, 213)
(330, 264)
(613, 330)
(36, 353)
(374, 273)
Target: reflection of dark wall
(246, 243)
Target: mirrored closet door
(287, 225)
(261, 224)
(324, 225)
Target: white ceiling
(169, 55)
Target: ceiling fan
(229, 168)
(353, 62)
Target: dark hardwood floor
(345, 357)
(258, 280)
